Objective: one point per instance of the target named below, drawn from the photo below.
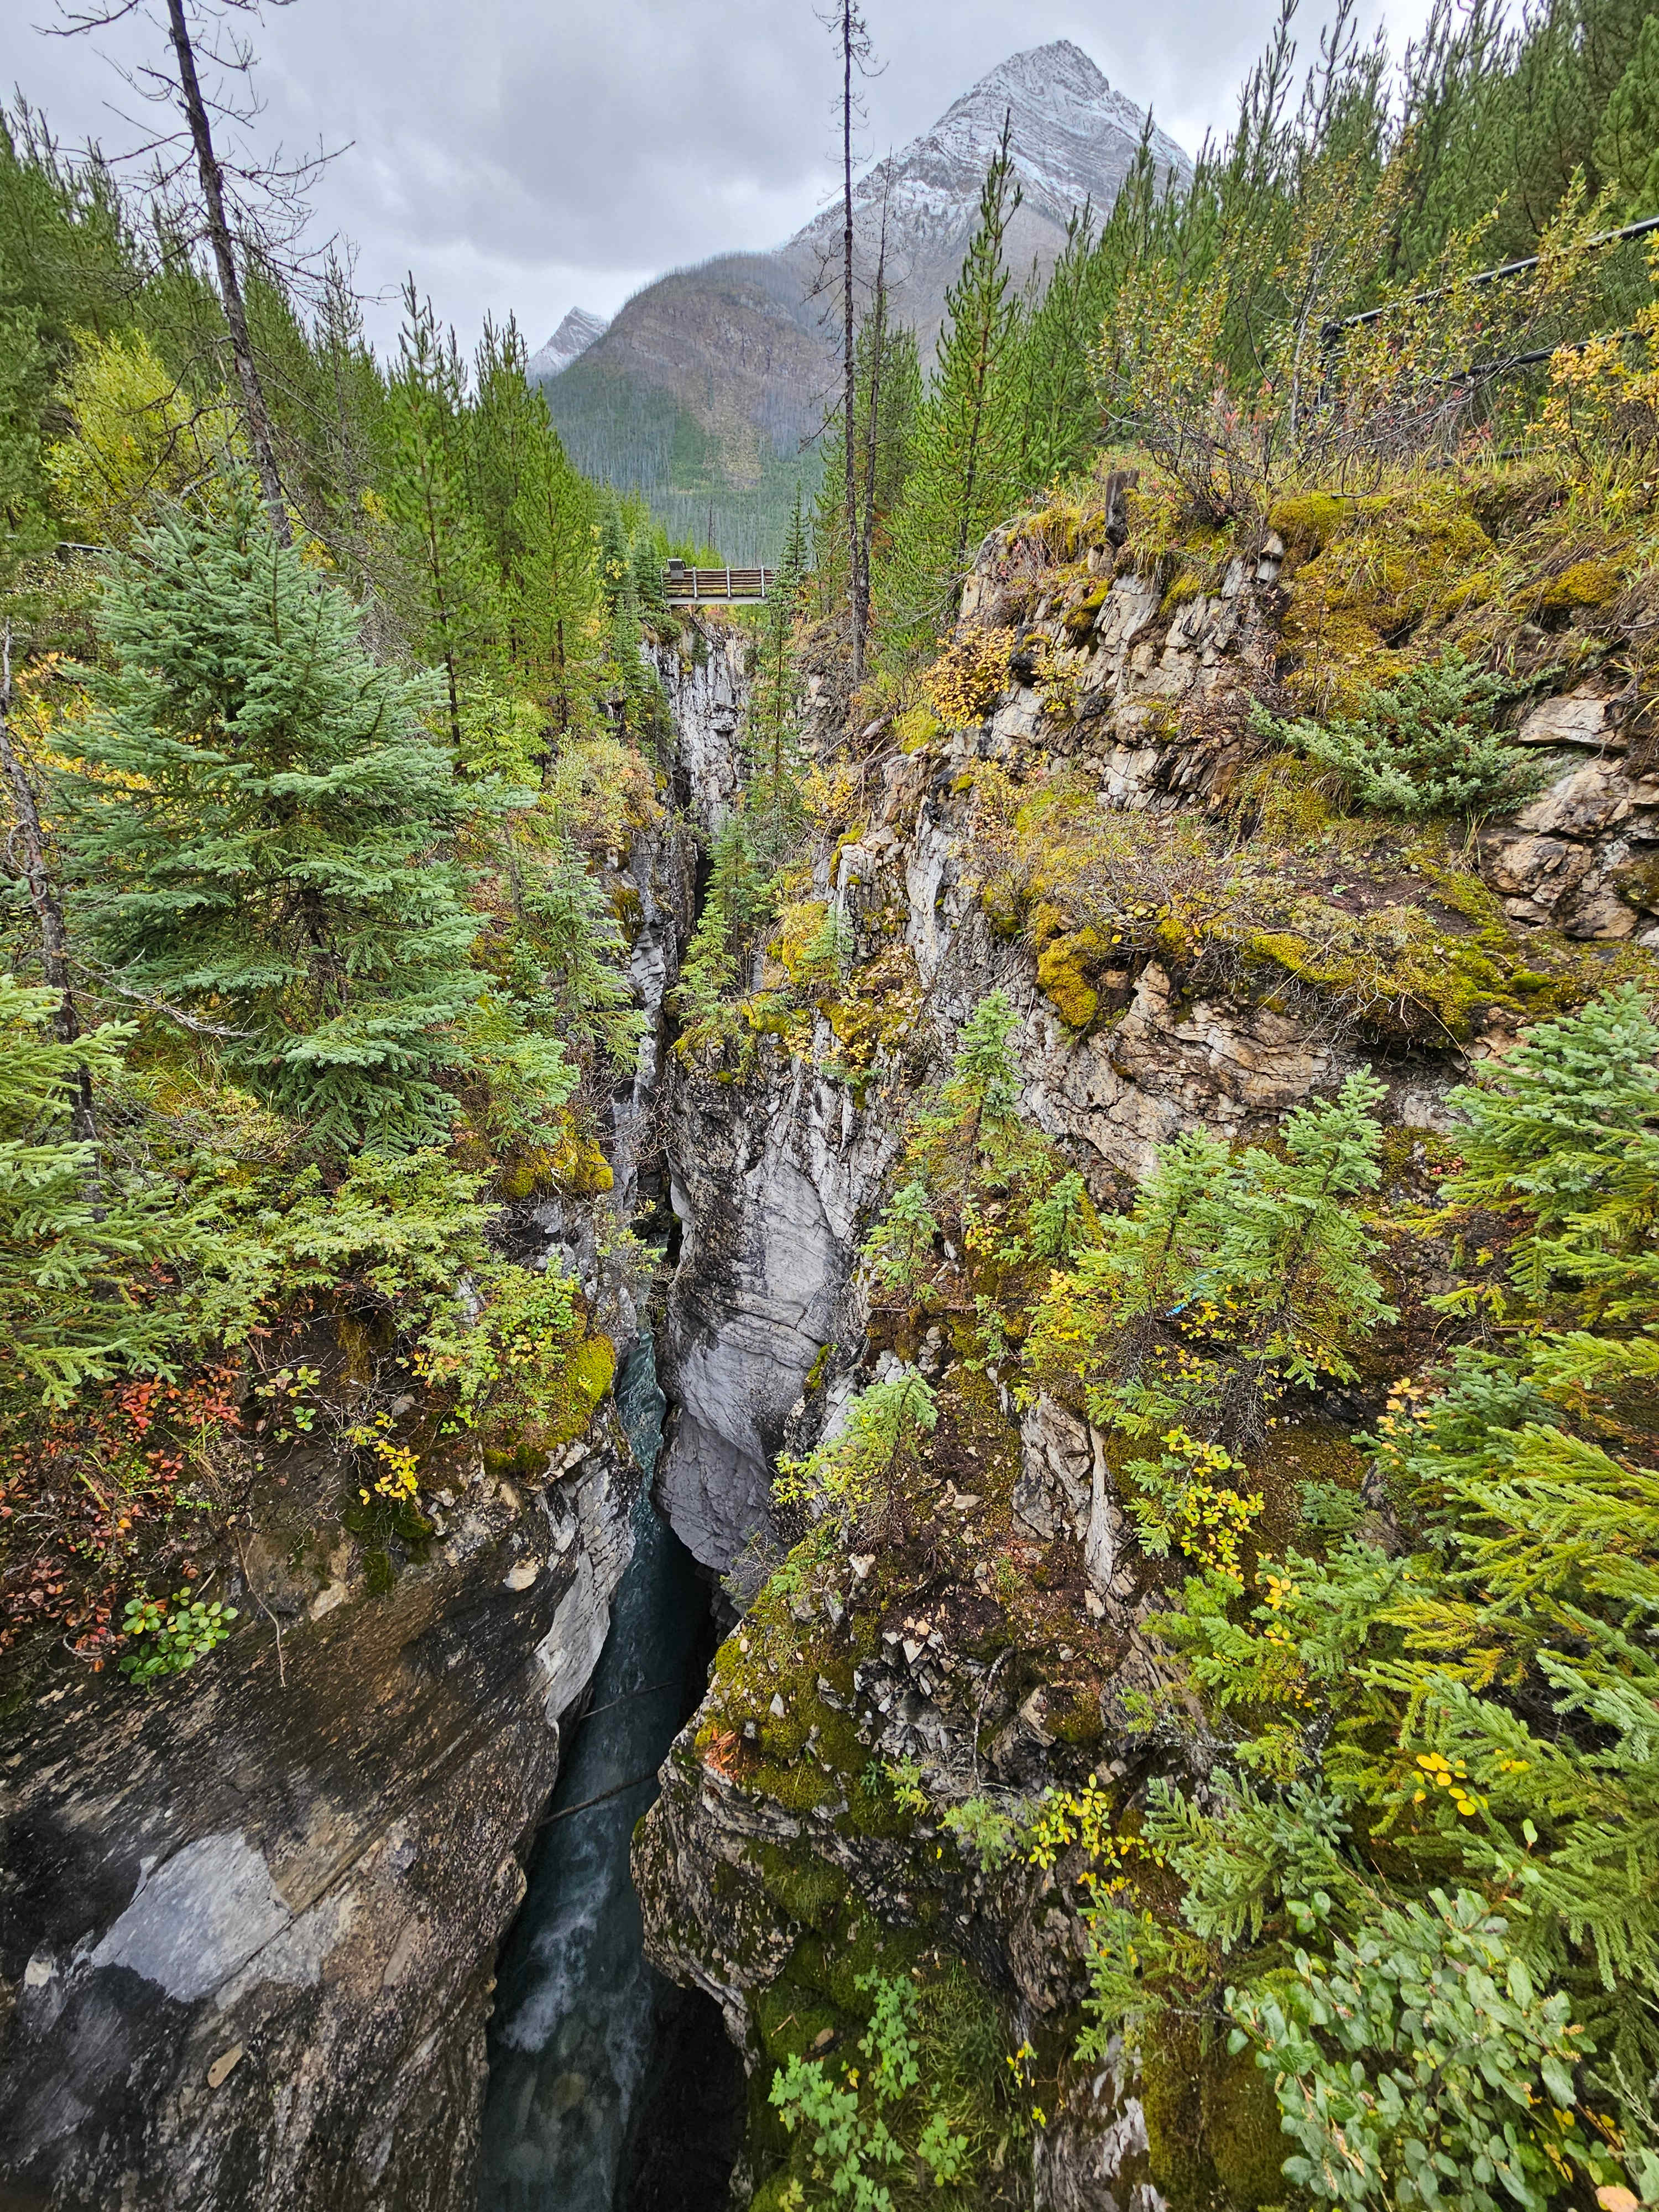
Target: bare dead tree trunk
(871, 428)
(230, 283)
(856, 594)
(43, 894)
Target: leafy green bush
(848, 2149)
(1417, 2065)
(1423, 745)
(170, 1642)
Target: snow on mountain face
(574, 335)
(1074, 139)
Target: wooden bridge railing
(681, 582)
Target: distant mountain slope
(569, 342)
(706, 390)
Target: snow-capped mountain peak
(1073, 138)
(574, 335)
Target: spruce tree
(965, 470)
(446, 593)
(1571, 1130)
(258, 832)
(645, 569)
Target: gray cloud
(525, 160)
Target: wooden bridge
(696, 585)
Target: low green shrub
(1423, 745)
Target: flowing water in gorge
(609, 2090)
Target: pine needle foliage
(1571, 1130)
(965, 470)
(1231, 1280)
(445, 591)
(1423, 745)
(260, 829)
(88, 1250)
(1419, 1883)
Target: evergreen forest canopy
(326, 721)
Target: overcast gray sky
(528, 157)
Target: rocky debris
(1586, 716)
(1583, 855)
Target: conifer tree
(965, 468)
(737, 896)
(1060, 419)
(258, 835)
(79, 1240)
(1627, 144)
(888, 401)
(1572, 1130)
(616, 574)
(770, 736)
(446, 594)
(501, 430)
(561, 578)
(561, 959)
(536, 519)
(1425, 1883)
(645, 572)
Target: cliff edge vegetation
(1187, 1737)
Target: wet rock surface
(248, 1922)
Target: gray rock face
(770, 1203)
(707, 685)
(769, 1198)
(248, 1923)
(1582, 854)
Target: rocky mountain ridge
(1073, 138)
(569, 342)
